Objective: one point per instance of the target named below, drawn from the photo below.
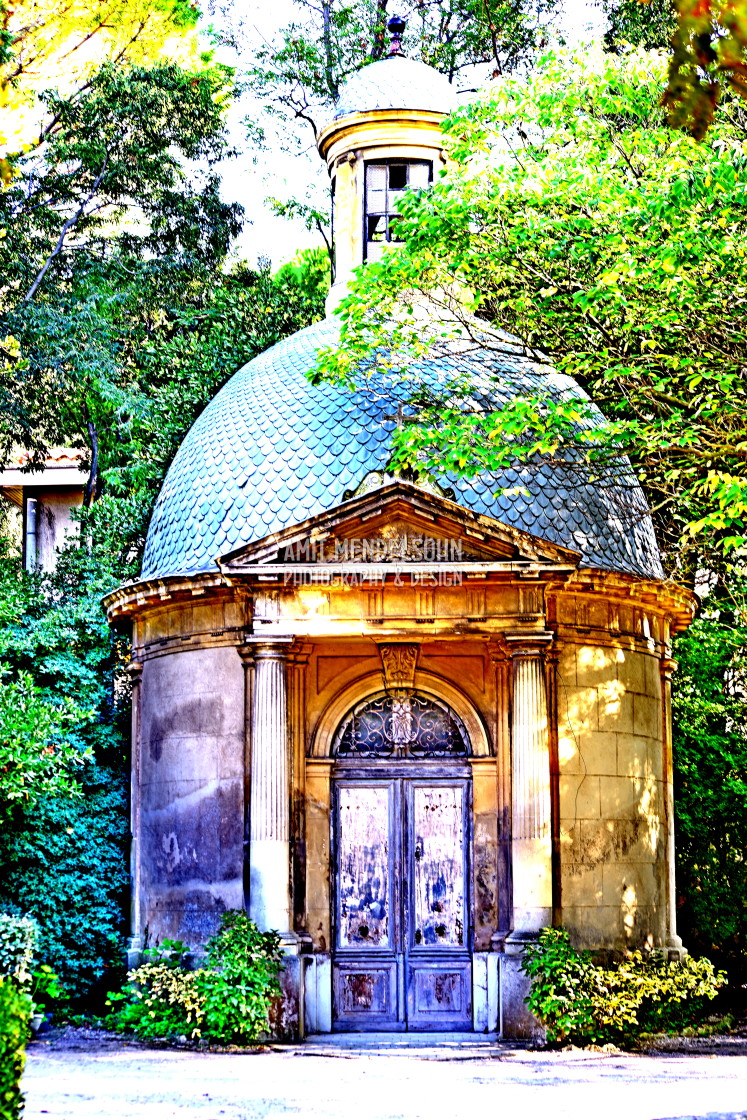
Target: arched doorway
(401, 860)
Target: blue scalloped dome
(395, 83)
(271, 450)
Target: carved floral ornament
(398, 661)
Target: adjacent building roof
(395, 83)
(271, 450)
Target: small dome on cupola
(395, 82)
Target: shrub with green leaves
(240, 981)
(18, 941)
(47, 993)
(578, 1001)
(710, 773)
(162, 999)
(228, 1000)
(15, 1016)
(63, 858)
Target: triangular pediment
(399, 523)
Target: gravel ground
(82, 1074)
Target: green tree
(706, 46)
(35, 758)
(62, 857)
(710, 739)
(64, 860)
(120, 318)
(631, 23)
(708, 59)
(44, 43)
(107, 190)
(575, 219)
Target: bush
(64, 863)
(227, 1001)
(710, 758)
(47, 993)
(15, 1015)
(241, 980)
(64, 859)
(578, 1001)
(162, 999)
(18, 941)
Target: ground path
(84, 1075)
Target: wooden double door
(402, 958)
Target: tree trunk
(91, 488)
(329, 61)
(378, 32)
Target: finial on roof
(397, 26)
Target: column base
(517, 1021)
(675, 950)
(318, 993)
(485, 992)
(134, 952)
(269, 895)
(287, 1012)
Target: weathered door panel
(436, 854)
(365, 996)
(439, 995)
(364, 887)
(402, 932)
(439, 966)
(366, 970)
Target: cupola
(385, 137)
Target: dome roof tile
(272, 449)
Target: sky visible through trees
(249, 179)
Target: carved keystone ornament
(398, 661)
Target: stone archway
(426, 684)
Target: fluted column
(674, 941)
(269, 809)
(135, 946)
(531, 836)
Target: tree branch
(64, 232)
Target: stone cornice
(383, 127)
(660, 597)
(132, 597)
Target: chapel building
(406, 724)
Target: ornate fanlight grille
(401, 725)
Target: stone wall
(613, 834)
(191, 784)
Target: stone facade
(559, 676)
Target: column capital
(527, 644)
(257, 647)
(668, 667)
